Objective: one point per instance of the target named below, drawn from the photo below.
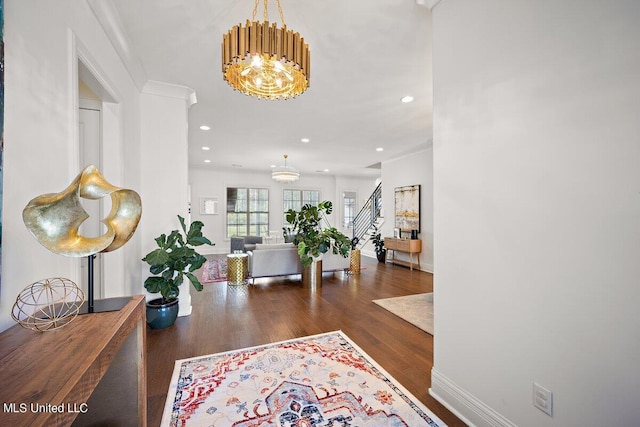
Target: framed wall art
(208, 206)
(407, 208)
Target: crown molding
(430, 4)
(111, 23)
(169, 90)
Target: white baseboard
(184, 310)
(370, 254)
(464, 405)
(426, 268)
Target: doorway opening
(92, 98)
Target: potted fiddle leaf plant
(311, 233)
(173, 261)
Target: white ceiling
(365, 56)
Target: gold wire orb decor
(265, 61)
(48, 304)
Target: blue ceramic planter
(159, 315)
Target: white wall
(42, 39)
(213, 183)
(411, 170)
(537, 210)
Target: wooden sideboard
(410, 246)
(89, 372)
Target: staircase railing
(368, 215)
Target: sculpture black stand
(99, 306)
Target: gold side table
(237, 269)
(354, 262)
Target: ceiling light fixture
(407, 99)
(305, 140)
(204, 127)
(205, 148)
(285, 174)
(265, 61)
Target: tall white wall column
(165, 167)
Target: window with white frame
(295, 199)
(348, 208)
(247, 211)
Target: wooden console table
(91, 371)
(410, 246)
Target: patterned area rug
(318, 381)
(214, 270)
(415, 309)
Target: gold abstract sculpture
(54, 219)
(48, 304)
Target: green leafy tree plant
(174, 259)
(377, 241)
(311, 238)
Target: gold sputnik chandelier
(265, 61)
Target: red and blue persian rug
(318, 381)
(214, 270)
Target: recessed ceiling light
(379, 149)
(205, 127)
(325, 170)
(207, 161)
(205, 148)
(305, 140)
(407, 98)
(273, 166)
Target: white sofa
(335, 262)
(269, 260)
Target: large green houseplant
(310, 231)
(174, 259)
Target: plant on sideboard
(170, 263)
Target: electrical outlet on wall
(543, 399)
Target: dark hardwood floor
(227, 318)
